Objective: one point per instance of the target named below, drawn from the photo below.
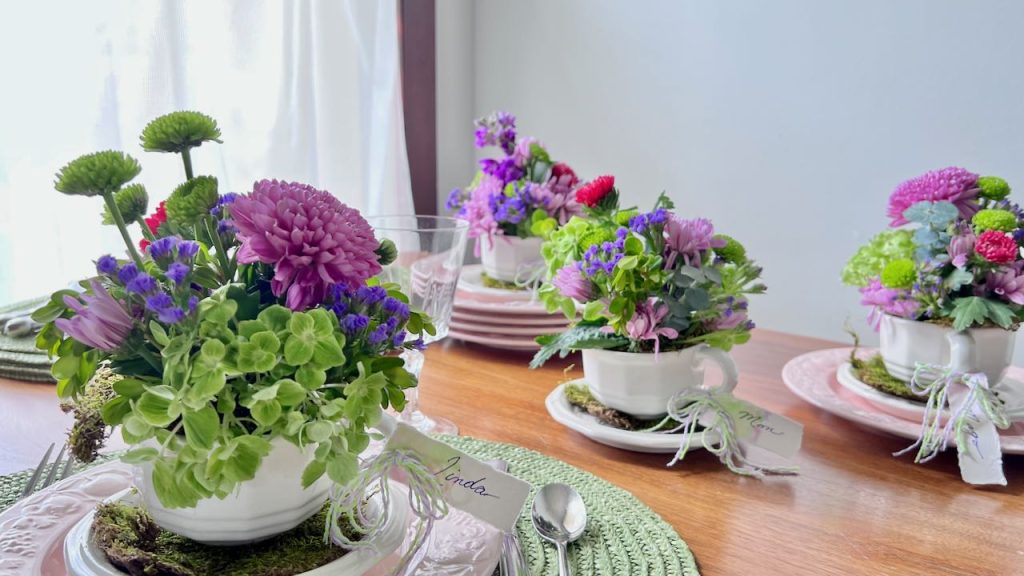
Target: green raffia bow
(529, 275)
(352, 503)
(719, 437)
(934, 437)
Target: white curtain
(302, 90)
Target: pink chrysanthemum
(892, 301)
(952, 184)
(646, 323)
(689, 239)
(101, 322)
(572, 283)
(477, 212)
(310, 237)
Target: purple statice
(378, 335)
(187, 250)
(142, 284)
(353, 324)
(641, 222)
(371, 295)
(177, 272)
(218, 209)
(646, 323)
(603, 257)
(498, 129)
(572, 283)
(163, 248)
(1007, 283)
(100, 321)
(512, 209)
(733, 314)
(417, 344)
(455, 199)
(163, 306)
(106, 265)
(127, 273)
(1010, 206)
(504, 170)
(193, 301)
(396, 308)
(398, 339)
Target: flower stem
(119, 220)
(225, 264)
(145, 230)
(186, 157)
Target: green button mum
(993, 187)
(132, 201)
(899, 274)
(179, 131)
(191, 201)
(97, 174)
(992, 219)
(733, 251)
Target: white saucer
(517, 343)
(84, 558)
(499, 329)
(471, 282)
(813, 377)
(649, 442)
(503, 308)
(899, 407)
(545, 320)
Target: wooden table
(853, 510)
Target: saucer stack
(504, 319)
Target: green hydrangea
(899, 273)
(132, 201)
(622, 218)
(872, 257)
(733, 251)
(179, 131)
(97, 174)
(191, 201)
(595, 237)
(993, 187)
(991, 219)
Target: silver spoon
(560, 517)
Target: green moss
(899, 274)
(89, 432)
(991, 219)
(499, 284)
(132, 542)
(579, 396)
(873, 373)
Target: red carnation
(996, 247)
(591, 193)
(561, 169)
(153, 221)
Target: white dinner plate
(813, 377)
(650, 442)
(517, 343)
(472, 283)
(502, 308)
(498, 329)
(546, 320)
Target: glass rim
(459, 224)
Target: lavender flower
(142, 284)
(100, 321)
(370, 295)
(127, 273)
(398, 339)
(378, 335)
(396, 307)
(177, 272)
(353, 324)
(106, 264)
(187, 250)
(164, 247)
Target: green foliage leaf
(290, 393)
(313, 471)
(578, 337)
(266, 412)
(342, 467)
(154, 408)
(201, 428)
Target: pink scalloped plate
(32, 531)
(812, 377)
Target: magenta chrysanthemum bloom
(644, 325)
(952, 184)
(101, 322)
(1007, 284)
(308, 235)
(689, 239)
(572, 283)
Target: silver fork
(513, 561)
(51, 476)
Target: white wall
(787, 122)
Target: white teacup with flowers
(660, 294)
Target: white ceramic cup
(642, 384)
(512, 258)
(271, 503)
(904, 343)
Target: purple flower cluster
(512, 209)
(222, 211)
(498, 129)
(604, 257)
(641, 222)
(506, 170)
(369, 314)
(173, 257)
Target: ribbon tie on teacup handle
(529, 276)
(352, 503)
(695, 406)
(935, 382)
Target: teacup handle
(962, 356)
(730, 374)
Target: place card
(980, 455)
(469, 484)
(759, 427)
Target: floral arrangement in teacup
(952, 255)
(515, 200)
(659, 294)
(945, 285)
(246, 320)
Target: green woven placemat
(623, 537)
(19, 357)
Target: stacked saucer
(499, 318)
